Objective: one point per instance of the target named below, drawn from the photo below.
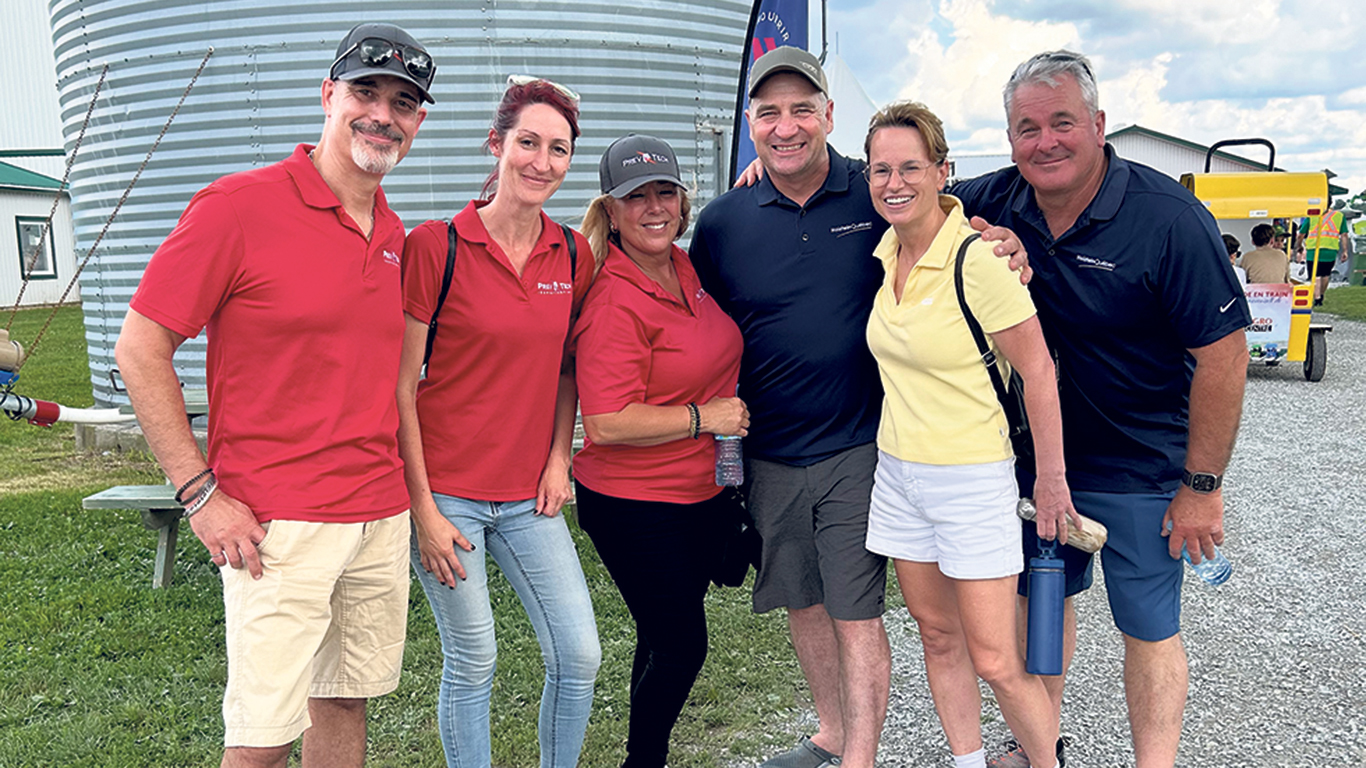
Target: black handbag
(1009, 394)
(738, 543)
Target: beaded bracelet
(694, 421)
(200, 499)
(180, 492)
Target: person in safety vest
(1322, 238)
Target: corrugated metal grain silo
(663, 67)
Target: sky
(1202, 70)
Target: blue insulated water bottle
(1047, 588)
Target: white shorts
(960, 516)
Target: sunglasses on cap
(376, 52)
(1068, 57)
(514, 80)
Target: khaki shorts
(327, 620)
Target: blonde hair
(910, 114)
(597, 225)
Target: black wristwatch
(1201, 482)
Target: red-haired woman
(485, 436)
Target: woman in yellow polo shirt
(944, 495)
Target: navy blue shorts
(1142, 579)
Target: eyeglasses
(880, 175)
(376, 52)
(528, 80)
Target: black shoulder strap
(573, 252)
(441, 297)
(451, 238)
(574, 305)
(988, 357)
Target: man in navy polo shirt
(1145, 316)
(790, 258)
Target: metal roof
(1141, 131)
(13, 177)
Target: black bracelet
(180, 492)
(694, 421)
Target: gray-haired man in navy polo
(1145, 315)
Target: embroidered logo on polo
(391, 258)
(849, 229)
(1091, 262)
(554, 288)
(700, 295)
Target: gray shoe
(805, 755)
(1014, 756)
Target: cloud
(1202, 70)
(961, 79)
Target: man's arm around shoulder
(144, 353)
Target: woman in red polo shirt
(657, 363)
(485, 436)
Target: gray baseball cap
(384, 49)
(787, 59)
(635, 160)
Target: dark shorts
(1322, 267)
(1141, 578)
(814, 521)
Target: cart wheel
(1316, 356)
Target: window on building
(36, 256)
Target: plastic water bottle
(730, 461)
(1043, 636)
(1211, 570)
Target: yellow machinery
(1270, 195)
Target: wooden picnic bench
(160, 513)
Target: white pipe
(94, 416)
(20, 407)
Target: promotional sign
(775, 23)
(1268, 338)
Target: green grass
(98, 669)
(1346, 301)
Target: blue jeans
(538, 558)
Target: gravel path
(1277, 654)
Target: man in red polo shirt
(294, 270)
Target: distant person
(1322, 239)
(1234, 251)
(1266, 264)
(487, 432)
(1146, 321)
(657, 362)
(1342, 269)
(294, 270)
(944, 496)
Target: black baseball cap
(362, 54)
(787, 59)
(635, 160)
